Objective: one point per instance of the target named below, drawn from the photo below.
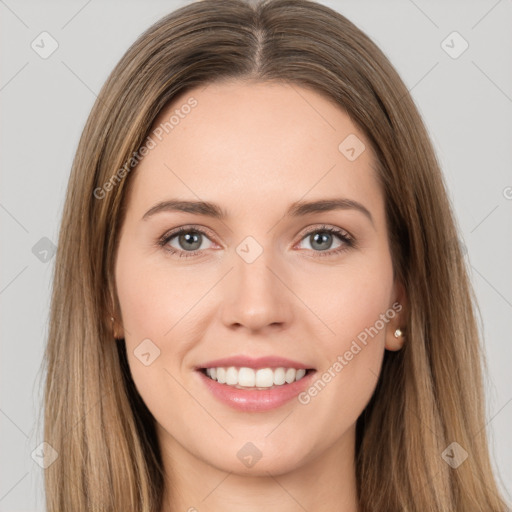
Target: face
(270, 278)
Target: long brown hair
(429, 394)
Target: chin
(252, 458)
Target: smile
(262, 393)
(251, 378)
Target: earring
(398, 333)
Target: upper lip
(250, 362)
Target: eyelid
(313, 228)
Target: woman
(200, 356)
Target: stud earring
(398, 333)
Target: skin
(255, 148)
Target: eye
(321, 240)
(188, 241)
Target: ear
(115, 323)
(117, 328)
(396, 328)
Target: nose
(257, 296)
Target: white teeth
(290, 375)
(300, 373)
(279, 376)
(263, 378)
(221, 375)
(246, 377)
(231, 376)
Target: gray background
(466, 103)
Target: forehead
(255, 144)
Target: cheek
(156, 310)
(350, 298)
(357, 310)
(164, 308)
(154, 297)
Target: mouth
(251, 384)
(257, 388)
(262, 379)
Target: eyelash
(348, 241)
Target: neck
(324, 484)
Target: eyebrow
(297, 209)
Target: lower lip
(256, 400)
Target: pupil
(190, 240)
(318, 238)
